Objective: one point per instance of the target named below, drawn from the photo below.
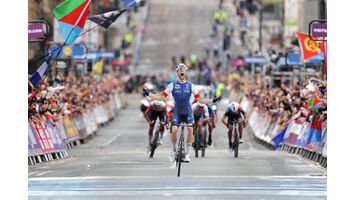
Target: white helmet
(199, 105)
(234, 106)
(157, 103)
(180, 66)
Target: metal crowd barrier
(292, 136)
(48, 140)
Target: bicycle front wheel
(180, 155)
(154, 144)
(236, 140)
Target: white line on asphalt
(184, 191)
(147, 177)
(32, 173)
(43, 173)
(110, 140)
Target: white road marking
(147, 177)
(43, 173)
(111, 140)
(32, 173)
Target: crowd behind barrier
(291, 119)
(66, 114)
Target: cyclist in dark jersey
(181, 90)
(211, 122)
(234, 113)
(154, 110)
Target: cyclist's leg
(173, 137)
(200, 127)
(190, 137)
(240, 127)
(152, 117)
(210, 128)
(162, 119)
(230, 132)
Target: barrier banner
(302, 137)
(294, 133)
(113, 105)
(324, 152)
(89, 122)
(108, 110)
(92, 121)
(34, 147)
(53, 132)
(100, 115)
(278, 139)
(318, 146)
(79, 123)
(274, 130)
(61, 130)
(103, 113)
(263, 127)
(70, 128)
(42, 136)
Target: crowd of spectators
(74, 95)
(299, 102)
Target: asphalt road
(115, 165)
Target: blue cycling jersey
(182, 93)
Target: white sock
(174, 146)
(188, 148)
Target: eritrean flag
(309, 48)
(71, 15)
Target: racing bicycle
(181, 148)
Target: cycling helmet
(200, 105)
(157, 103)
(180, 66)
(234, 106)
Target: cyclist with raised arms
(234, 113)
(181, 91)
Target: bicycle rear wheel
(204, 135)
(236, 140)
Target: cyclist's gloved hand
(216, 99)
(145, 91)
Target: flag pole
(88, 30)
(66, 39)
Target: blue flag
(279, 137)
(131, 3)
(36, 77)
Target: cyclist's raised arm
(162, 95)
(202, 99)
(159, 97)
